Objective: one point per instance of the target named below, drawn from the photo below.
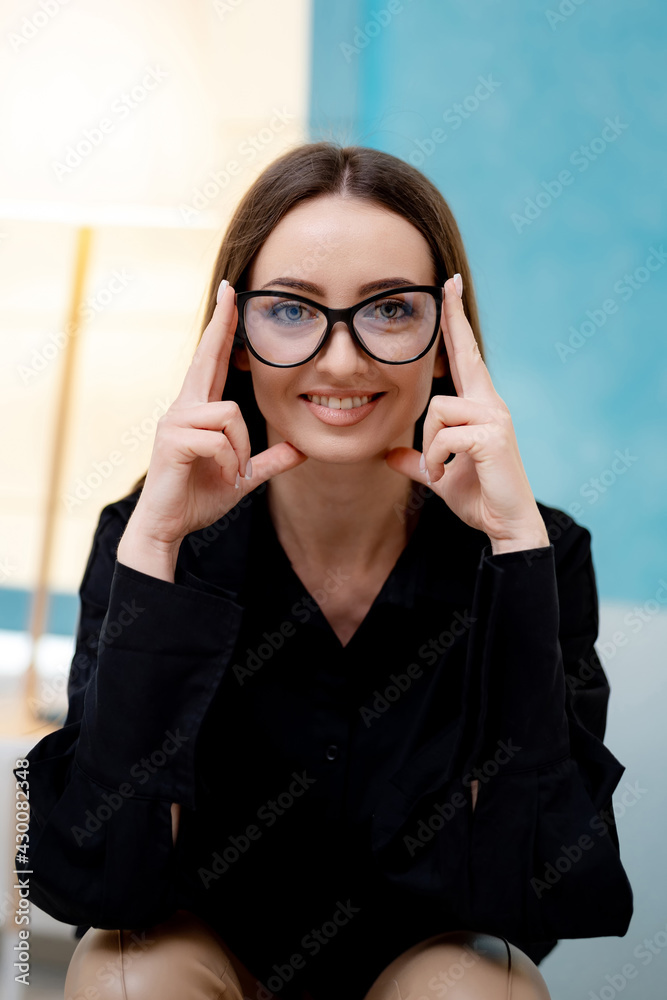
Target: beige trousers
(183, 958)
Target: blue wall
(571, 289)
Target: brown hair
(321, 168)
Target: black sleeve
(538, 858)
(148, 658)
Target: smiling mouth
(341, 402)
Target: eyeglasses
(394, 327)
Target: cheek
(419, 389)
(272, 394)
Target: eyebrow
(367, 288)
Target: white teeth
(338, 403)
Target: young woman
(335, 713)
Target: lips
(348, 402)
(343, 416)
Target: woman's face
(338, 251)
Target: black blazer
(516, 691)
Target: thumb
(272, 461)
(406, 461)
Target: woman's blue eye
(390, 310)
(291, 312)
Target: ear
(440, 364)
(240, 358)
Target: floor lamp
(25, 717)
(61, 424)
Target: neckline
(399, 587)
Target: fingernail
(458, 282)
(428, 480)
(238, 480)
(248, 469)
(422, 463)
(221, 289)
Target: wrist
(536, 538)
(139, 551)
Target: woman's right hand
(193, 469)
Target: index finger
(469, 373)
(205, 378)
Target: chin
(337, 446)
(326, 449)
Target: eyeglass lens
(283, 330)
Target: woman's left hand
(485, 484)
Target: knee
(484, 963)
(461, 964)
(181, 958)
(89, 974)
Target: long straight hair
(327, 168)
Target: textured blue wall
(543, 125)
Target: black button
(332, 751)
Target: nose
(341, 353)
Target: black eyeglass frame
(336, 315)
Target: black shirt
(326, 819)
